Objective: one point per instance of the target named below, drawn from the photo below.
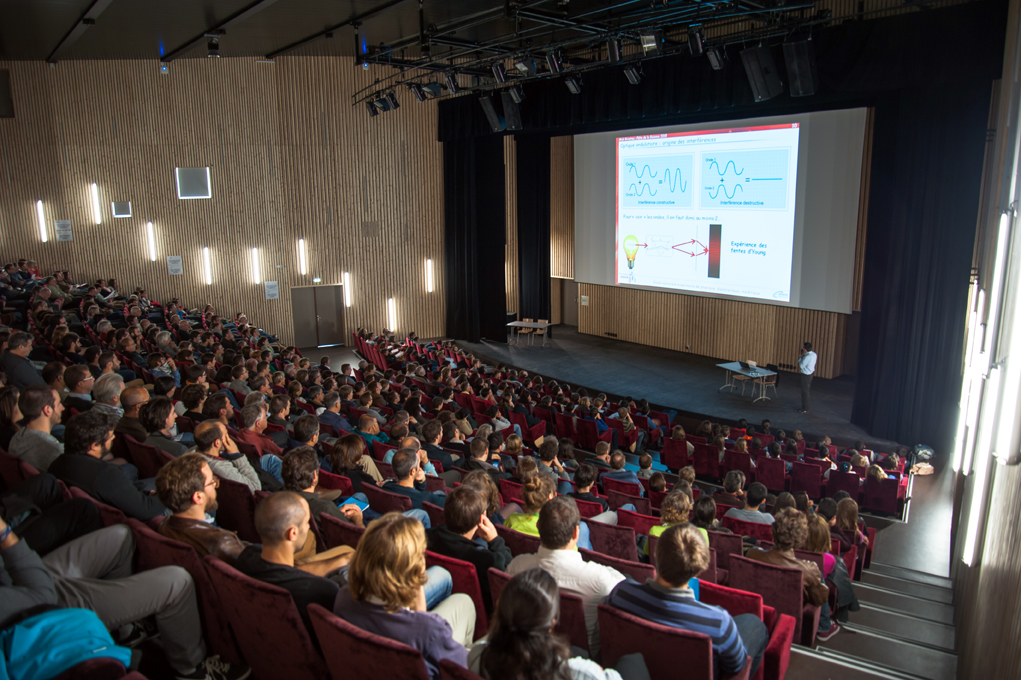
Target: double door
(318, 316)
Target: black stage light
(715, 58)
(517, 94)
(451, 78)
(417, 90)
(633, 73)
(651, 41)
(573, 84)
(613, 50)
(695, 40)
(555, 62)
(371, 108)
(499, 72)
(392, 98)
(213, 48)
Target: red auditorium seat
(572, 611)
(355, 653)
(781, 588)
(635, 570)
(517, 542)
(237, 510)
(466, 581)
(674, 455)
(612, 540)
(619, 498)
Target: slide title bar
(708, 132)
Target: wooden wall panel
(510, 162)
(724, 329)
(289, 159)
(556, 300)
(562, 207)
(863, 212)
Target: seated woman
(386, 594)
(847, 524)
(675, 510)
(783, 500)
(347, 458)
(521, 644)
(678, 433)
(537, 489)
(704, 515)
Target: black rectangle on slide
(715, 232)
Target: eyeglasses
(215, 483)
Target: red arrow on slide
(644, 245)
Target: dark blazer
(493, 554)
(107, 483)
(72, 401)
(436, 453)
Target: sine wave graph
(660, 181)
(755, 179)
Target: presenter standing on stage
(806, 366)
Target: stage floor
(685, 382)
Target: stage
(685, 382)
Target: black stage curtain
(533, 159)
(928, 76)
(474, 238)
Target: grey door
(329, 305)
(569, 302)
(304, 313)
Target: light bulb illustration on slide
(631, 249)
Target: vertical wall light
(152, 241)
(429, 275)
(391, 313)
(255, 265)
(347, 289)
(42, 221)
(208, 267)
(978, 496)
(97, 213)
(302, 264)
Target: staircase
(904, 631)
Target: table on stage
(757, 375)
(535, 325)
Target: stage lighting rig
(554, 59)
(573, 84)
(526, 67)
(613, 50)
(715, 56)
(651, 41)
(695, 40)
(633, 72)
(499, 72)
(451, 78)
(371, 108)
(391, 97)
(418, 91)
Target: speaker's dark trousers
(806, 387)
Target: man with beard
(188, 486)
(87, 440)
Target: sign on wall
(174, 265)
(63, 229)
(272, 290)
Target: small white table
(536, 325)
(756, 374)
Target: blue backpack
(46, 645)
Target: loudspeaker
(762, 73)
(801, 71)
(491, 115)
(511, 112)
(6, 98)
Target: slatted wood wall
(289, 158)
(713, 327)
(562, 207)
(510, 161)
(556, 300)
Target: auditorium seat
(330, 481)
(466, 581)
(781, 588)
(634, 570)
(674, 454)
(572, 612)
(613, 540)
(640, 522)
(148, 459)
(355, 653)
(619, 498)
(110, 514)
(517, 542)
(337, 532)
(237, 510)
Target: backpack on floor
(45, 645)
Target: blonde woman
(386, 594)
(676, 509)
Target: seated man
(602, 457)
(79, 381)
(331, 415)
(253, 424)
(619, 473)
(94, 572)
(682, 554)
(218, 407)
(481, 459)
(451, 477)
(41, 408)
(753, 500)
(38, 513)
(86, 441)
(193, 397)
(550, 465)
(732, 495)
(368, 429)
(300, 472)
(454, 439)
(558, 531)
(106, 393)
(20, 371)
(585, 478)
(132, 400)
(790, 530)
(158, 417)
(223, 457)
(240, 382)
(469, 535)
(279, 410)
(410, 480)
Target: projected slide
(709, 211)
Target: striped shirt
(678, 607)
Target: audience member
(753, 501)
(132, 400)
(704, 515)
(19, 370)
(41, 409)
(223, 457)
(558, 528)
(550, 466)
(157, 416)
(410, 480)
(682, 554)
(783, 500)
(253, 425)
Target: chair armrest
(736, 602)
(777, 657)
(809, 624)
(743, 674)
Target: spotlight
(499, 72)
(371, 108)
(382, 104)
(517, 94)
(715, 58)
(417, 90)
(433, 90)
(451, 78)
(554, 60)
(633, 73)
(213, 48)
(613, 50)
(526, 67)
(573, 84)
(651, 40)
(392, 99)
(695, 40)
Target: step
(905, 604)
(911, 575)
(808, 664)
(900, 585)
(904, 627)
(883, 652)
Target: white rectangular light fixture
(391, 313)
(255, 265)
(429, 275)
(97, 213)
(208, 266)
(42, 221)
(193, 183)
(302, 264)
(347, 289)
(152, 241)
(978, 496)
